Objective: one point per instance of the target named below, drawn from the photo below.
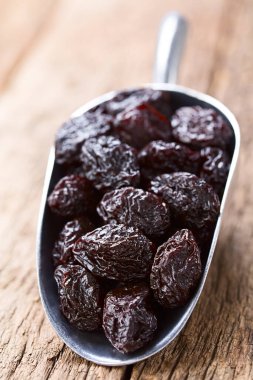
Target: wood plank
(21, 23)
(63, 69)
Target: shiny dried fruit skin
(129, 99)
(72, 196)
(128, 320)
(115, 252)
(75, 131)
(80, 296)
(110, 164)
(215, 168)
(160, 157)
(176, 270)
(139, 125)
(200, 127)
(137, 208)
(71, 232)
(192, 201)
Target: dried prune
(80, 296)
(73, 196)
(128, 320)
(200, 127)
(160, 157)
(110, 164)
(137, 208)
(215, 167)
(75, 131)
(192, 201)
(176, 269)
(129, 99)
(76, 169)
(115, 252)
(71, 232)
(139, 125)
(203, 237)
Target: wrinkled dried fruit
(139, 125)
(200, 127)
(76, 169)
(193, 202)
(115, 252)
(176, 270)
(75, 131)
(128, 320)
(137, 208)
(130, 99)
(80, 296)
(109, 164)
(203, 237)
(71, 232)
(215, 167)
(73, 196)
(160, 157)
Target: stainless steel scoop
(93, 345)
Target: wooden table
(56, 55)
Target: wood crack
(17, 362)
(54, 361)
(128, 373)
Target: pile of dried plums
(140, 198)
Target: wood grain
(57, 55)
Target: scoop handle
(170, 45)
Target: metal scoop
(93, 345)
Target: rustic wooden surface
(55, 55)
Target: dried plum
(128, 320)
(160, 157)
(110, 164)
(215, 167)
(115, 252)
(71, 232)
(73, 196)
(200, 127)
(139, 125)
(137, 208)
(192, 201)
(129, 99)
(76, 169)
(80, 296)
(176, 270)
(75, 131)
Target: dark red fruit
(200, 127)
(215, 167)
(139, 125)
(160, 157)
(71, 232)
(75, 131)
(176, 270)
(193, 202)
(115, 252)
(130, 99)
(73, 196)
(109, 164)
(137, 208)
(76, 169)
(80, 296)
(128, 320)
